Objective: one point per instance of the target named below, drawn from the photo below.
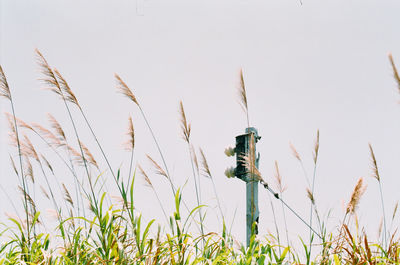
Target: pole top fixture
(254, 131)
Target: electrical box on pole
(246, 164)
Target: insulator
(229, 151)
(230, 172)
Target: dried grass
(375, 171)
(43, 190)
(145, 176)
(29, 170)
(204, 163)
(395, 72)
(294, 152)
(47, 134)
(310, 196)
(125, 90)
(67, 93)
(242, 92)
(56, 126)
(67, 195)
(14, 166)
(395, 210)
(88, 155)
(243, 97)
(185, 126)
(358, 191)
(49, 77)
(4, 88)
(278, 179)
(316, 148)
(158, 168)
(130, 144)
(27, 149)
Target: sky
(308, 66)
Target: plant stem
(22, 171)
(384, 216)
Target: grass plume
(130, 144)
(185, 126)
(395, 72)
(355, 197)
(158, 168)
(375, 174)
(4, 88)
(243, 96)
(125, 90)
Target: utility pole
(246, 147)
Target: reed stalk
(315, 159)
(376, 175)
(66, 95)
(6, 93)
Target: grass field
(93, 227)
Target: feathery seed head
(204, 163)
(248, 162)
(49, 78)
(130, 144)
(12, 134)
(22, 124)
(375, 171)
(45, 133)
(358, 191)
(14, 166)
(28, 198)
(316, 148)
(146, 178)
(125, 90)
(310, 195)
(395, 210)
(53, 214)
(294, 152)
(77, 157)
(88, 155)
(159, 169)
(67, 93)
(44, 192)
(278, 179)
(67, 195)
(395, 72)
(11, 125)
(29, 169)
(56, 126)
(242, 93)
(4, 88)
(185, 126)
(28, 150)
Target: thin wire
(276, 195)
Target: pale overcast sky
(320, 65)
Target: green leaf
(146, 231)
(283, 255)
(177, 203)
(191, 213)
(336, 259)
